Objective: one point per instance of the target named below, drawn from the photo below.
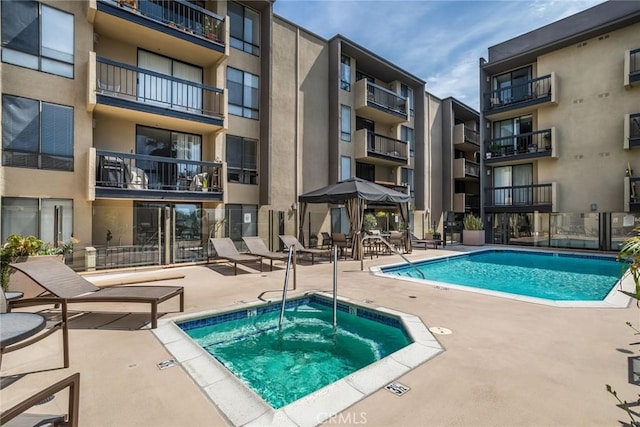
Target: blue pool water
(306, 355)
(552, 276)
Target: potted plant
(210, 29)
(494, 150)
(473, 233)
(533, 148)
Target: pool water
(305, 355)
(552, 276)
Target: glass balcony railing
(123, 171)
(131, 83)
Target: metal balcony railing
(128, 82)
(179, 14)
(386, 99)
(389, 147)
(519, 195)
(531, 142)
(471, 136)
(144, 172)
(471, 168)
(634, 62)
(532, 89)
(634, 130)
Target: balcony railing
(464, 168)
(471, 136)
(634, 130)
(463, 202)
(386, 99)
(179, 14)
(123, 171)
(388, 147)
(115, 79)
(535, 89)
(534, 195)
(524, 143)
(634, 63)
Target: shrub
(472, 222)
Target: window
(165, 143)
(514, 134)
(50, 220)
(345, 73)
(242, 220)
(36, 134)
(406, 134)
(177, 95)
(513, 185)
(245, 28)
(407, 179)
(345, 123)
(513, 86)
(345, 167)
(407, 92)
(37, 36)
(242, 160)
(243, 93)
(366, 171)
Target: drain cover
(397, 388)
(167, 364)
(440, 330)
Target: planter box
(20, 282)
(473, 237)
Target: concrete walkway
(507, 362)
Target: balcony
(631, 68)
(380, 149)
(631, 195)
(463, 202)
(631, 131)
(521, 198)
(465, 139)
(380, 104)
(466, 170)
(144, 177)
(524, 146)
(134, 93)
(176, 28)
(510, 100)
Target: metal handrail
(286, 284)
(392, 248)
(335, 287)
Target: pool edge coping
(242, 406)
(614, 299)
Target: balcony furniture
(17, 415)
(292, 241)
(326, 240)
(257, 247)
(339, 240)
(226, 249)
(61, 281)
(396, 239)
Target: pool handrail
(392, 248)
(292, 250)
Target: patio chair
(340, 241)
(257, 247)
(292, 241)
(61, 281)
(326, 240)
(428, 240)
(18, 415)
(226, 249)
(396, 239)
(20, 330)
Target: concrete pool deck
(506, 362)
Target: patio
(506, 362)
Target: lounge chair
(427, 241)
(292, 241)
(61, 281)
(19, 330)
(18, 412)
(257, 247)
(226, 249)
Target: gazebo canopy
(354, 192)
(354, 188)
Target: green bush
(472, 222)
(369, 222)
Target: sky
(440, 42)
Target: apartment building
(558, 125)
(143, 127)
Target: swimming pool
(242, 359)
(559, 278)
